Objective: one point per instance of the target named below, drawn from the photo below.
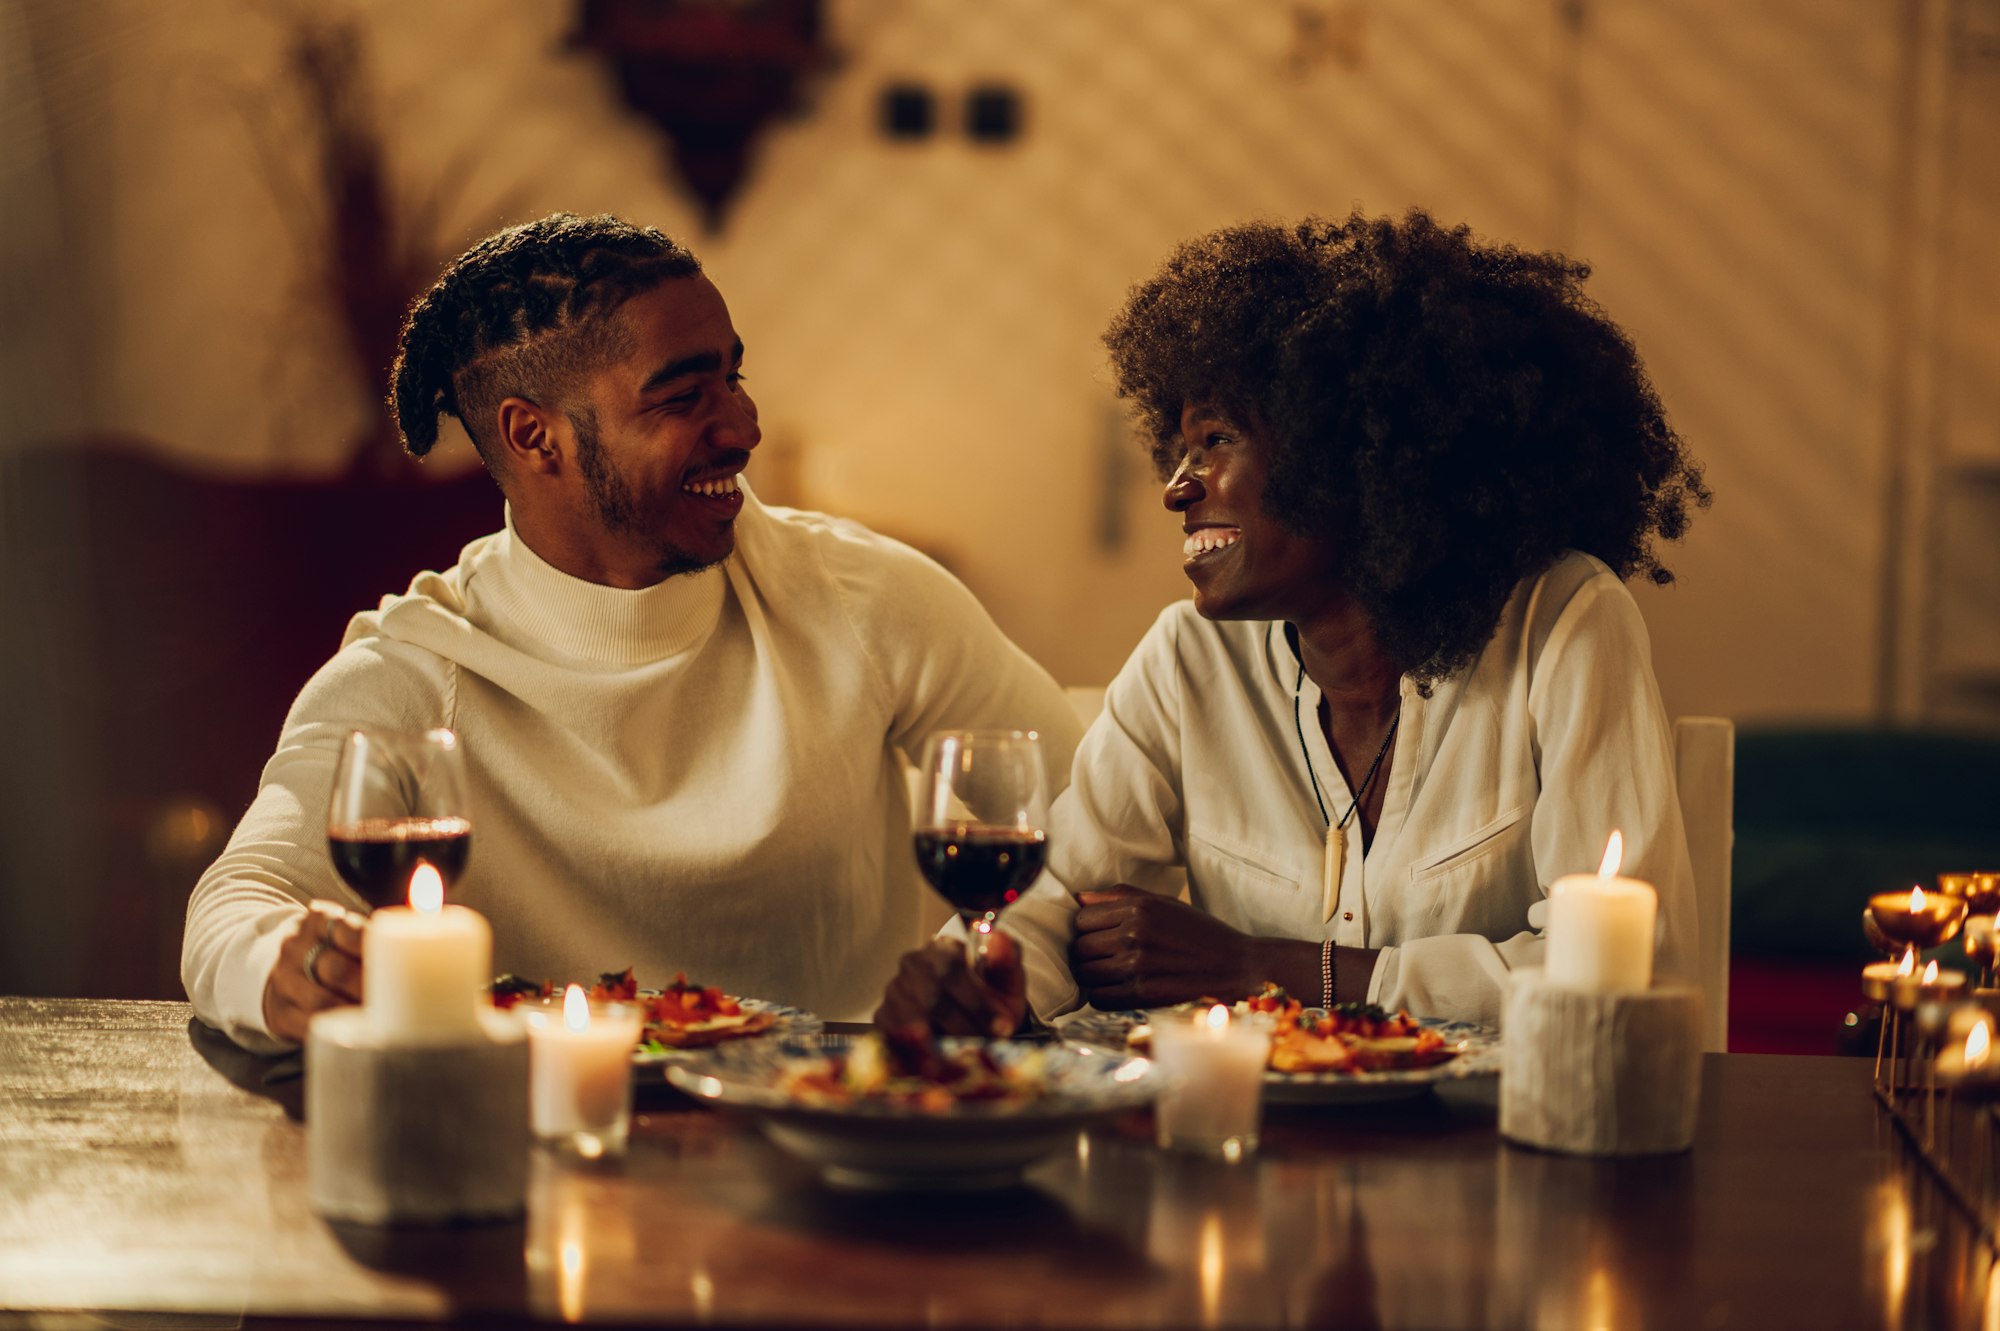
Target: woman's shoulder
(1577, 586)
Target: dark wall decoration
(712, 73)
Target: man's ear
(533, 439)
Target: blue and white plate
(874, 1145)
(1477, 1047)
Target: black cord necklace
(1334, 862)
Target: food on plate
(684, 1016)
(511, 989)
(1350, 1037)
(914, 1071)
(681, 1016)
(1356, 1037)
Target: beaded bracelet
(1326, 974)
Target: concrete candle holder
(415, 1133)
(1599, 1073)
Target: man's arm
(253, 901)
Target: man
(681, 711)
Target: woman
(1411, 689)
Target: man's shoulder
(446, 593)
(784, 545)
(376, 680)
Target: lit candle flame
(1909, 966)
(576, 1008)
(1930, 973)
(1614, 856)
(426, 890)
(1978, 1045)
(1916, 900)
(1218, 1017)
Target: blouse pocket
(1239, 885)
(1482, 883)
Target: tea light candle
(1923, 920)
(581, 1072)
(1878, 978)
(1930, 986)
(1214, 1067)
(427, 966)
(1968, 1054)
(1600, 928)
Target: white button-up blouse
(1509, 775)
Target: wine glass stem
(978, 936)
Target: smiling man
(681, 711)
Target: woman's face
(1243, 563)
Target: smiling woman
(1413, 471)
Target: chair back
(1705, 773)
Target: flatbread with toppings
(1350, 1037)
(681, 1016)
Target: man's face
(665, 432)
(1243, 563)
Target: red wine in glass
(398, 801)
(376, 856)
(981, 823)
(980, 869)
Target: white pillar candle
(426, 967)
(1214, 1068)
(581, 1071)
(1600, 929)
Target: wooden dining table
(152, 1175)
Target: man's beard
(616, 505)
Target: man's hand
(934, 990)
(1137, 949)
(330, 937)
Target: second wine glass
(398, 801)
(981, 827)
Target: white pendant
(1333, 864)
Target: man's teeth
(1207, 539)
(722, 485)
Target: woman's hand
(1137, 949)
(934, 990)
(330, 937)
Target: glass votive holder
(1213, 1063)
(580, 1072)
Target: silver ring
(312, 960)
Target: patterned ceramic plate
(1478, 1049)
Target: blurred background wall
(1790, 204)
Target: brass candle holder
(1981, 941)
(1910, 923)
(1980, 891)
(1917, 918)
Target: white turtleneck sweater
(701, 776)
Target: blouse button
(1347, 915)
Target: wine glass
(398, 801)
(981, 827)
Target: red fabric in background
(1783, 1006)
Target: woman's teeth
(722, 485)
(1209, 539)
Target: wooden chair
(1705, 773)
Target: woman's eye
(1216, 440)
(737, 379)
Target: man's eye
(737, 379)
(682, 401)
